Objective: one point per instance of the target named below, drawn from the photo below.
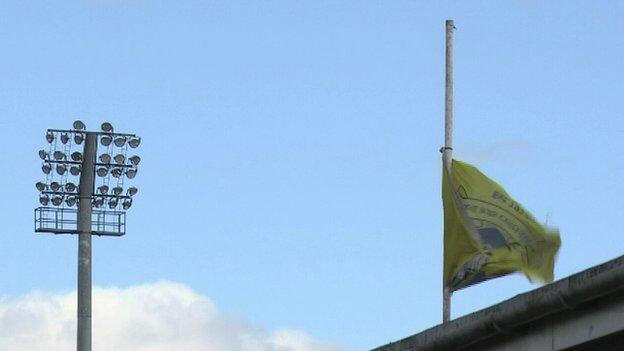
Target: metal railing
(65, 221)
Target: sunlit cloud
(151, 317)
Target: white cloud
(151, 317)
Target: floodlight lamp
(135, 160)
(116, 172)
(44, 200)
(131, 191)
(103, 189)
(70, 201)
(55, 186)
(105, 158)
(78, 125)
(41, 186)
(59, 155)
(70, 187)
(117, 190)
(43, 155)
(106, 140)
(102, 171)
(76, 156)
(120, 158)
(64, 138)
(112, 203)
(46, 168)
(78, 138)
(120, 141)
(74, 170)
(50, 137)
(107, 127)
(131, 173)
(127, 203)
(134, 142)
(61, 169)
(98, 202)
(57, 200)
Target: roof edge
(561, 295)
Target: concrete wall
(582, 312)
(595, 326)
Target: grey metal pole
(447, 152)
(86, 186)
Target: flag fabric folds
(487, 234)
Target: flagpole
(447, 151)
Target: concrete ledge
(563, 295)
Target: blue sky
(290, 167)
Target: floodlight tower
(62, 161)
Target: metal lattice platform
(64, 221)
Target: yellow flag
(488, 234)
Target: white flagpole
(447, 152)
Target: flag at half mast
(487, 234)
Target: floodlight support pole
(447, 151)
(86, 186)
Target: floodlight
(120, 141)
(98, 202)
(106, 140)
(70, 187)
(117, 190)
(116, 172)
(132, 191)
(102, 204)
(57, 200)
(119, 158)
(74, 170)
(112, 203)
(78, 125)
(59, 155)
(46, 168)
(131, 173)
(61, 169)
(70, 201)
(44, 200)
(50, 137)
(103, 189)
(102, 171)
(107, 127)
(134, 142)
(76, 156)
